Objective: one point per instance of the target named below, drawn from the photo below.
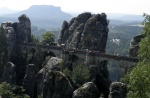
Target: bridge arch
(32, 50)
(73, 58)
(48, 53)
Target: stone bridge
(84, 56)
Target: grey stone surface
(29, 80)
(51, 83)
(17, 32)
(24, 29)
(86, 31)
(63, 35)
(11, 36)
(54, 84)
(9, 73)
(134, 45)
(54, 64)
(87, 90)
(118, 90)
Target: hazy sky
(96, 6)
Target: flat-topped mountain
(42, 11)
(43, 16)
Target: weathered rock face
(118, 90)
(24, 29)
(134, 45)
(9, 74)
(18, 31)
(29, 80)
(88, 90)
(51, 83)
(63, 32)
(86, 31)
(99, 76)
(54, 85)
(54, 64)
(11, 36)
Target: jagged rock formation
(51, 83)
(88, 90)
(54, 64)
(29, 80)
(9, 74)
(99, 76)
(11, 36)
(118, 90)
(89, 31)
(86, 31)
(17, 32)
(134, 45)
(54, 85)
(24, 29)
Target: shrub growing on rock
(80, 74)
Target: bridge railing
(42, 46)
(85, 51)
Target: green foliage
(40, 96)
(80, 74)
(12, 91)
(48, 38)
(138, 79)
(34, 39)
(124, 34)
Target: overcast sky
(96, 6)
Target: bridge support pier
(65, 55)
(90, 59)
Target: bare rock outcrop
(54, 85)
(51, 83)
(86, 31)
(134, 45)
(118, 90)
(11, 36)
(9, 73)
(29, 80)
(24, 29)
(99, 76)
(87, 90)
(17, 32)
(54, 64)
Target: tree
(80, 74)
(48, 38)
(138, 79)
(12, 91)
(34, 39)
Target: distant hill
(124, 19)
(51, 17)
(120, 19)
(131, 18)
(43, 16)
(5, 10)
